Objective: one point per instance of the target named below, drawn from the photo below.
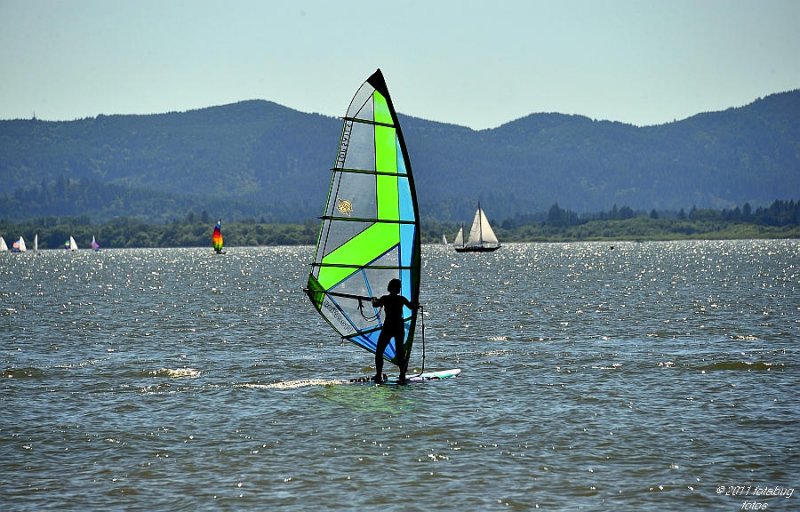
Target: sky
(474, 63)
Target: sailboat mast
(480, 223)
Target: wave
(743, 365)
(23, 373)
(176, 373)
(294, 384)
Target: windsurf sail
(95, 245)
(216, 238)
(370, 229)
(19, 245)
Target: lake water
(596, 376)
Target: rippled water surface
(632, 376)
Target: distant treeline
(129, 232)
(779, 213)
(780, 220)
(67, 198)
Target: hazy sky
(477, 63)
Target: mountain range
(260, 160)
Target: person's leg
(383, 341)
(401, 354)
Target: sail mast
(379, 83)
(480, 224)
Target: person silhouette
(393, 327)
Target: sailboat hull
(476, 249)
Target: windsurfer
(393, 327)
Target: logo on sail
(345, 207)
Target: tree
(747, 211)
(557, 216)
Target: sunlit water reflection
(627, 376)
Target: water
(596, 377)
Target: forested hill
(260, 160)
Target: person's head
(394, 286)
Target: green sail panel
(370, 230)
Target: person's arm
(409, 304)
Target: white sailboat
(3, 246)
(36, 242)
(19, 246)
(70, 244)
(481, 235)
(444, 240)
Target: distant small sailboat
(95, 245)
(216, 238)
(444, 240)
(3, 246)
(19, 246)
(481, 235)
(36, 242)
(70, 244)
